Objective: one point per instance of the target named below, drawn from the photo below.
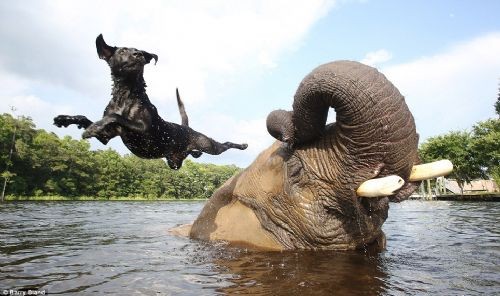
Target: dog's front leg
(66, 120)
(80, 121)
(106, 128)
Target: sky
(236, 61)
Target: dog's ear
(103, 50)
(148, 56)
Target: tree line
(43, 164)
(475, 153)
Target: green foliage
(45, 165)
(497, 103)
(455, 146)
(486, 143)
(474, 154)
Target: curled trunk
(374, 136)
(372, 118)
(303, 193)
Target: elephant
(301, 192)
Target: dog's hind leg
(66, 120)
(208, 145)
(182, 110)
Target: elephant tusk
(431, 170)
(387, 185)
(380, 186)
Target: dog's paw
(244, 146)
(195, 154)
(81, 121)
(62, 120)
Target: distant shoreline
(469, 197)
(449, 197)
(495, 196)
(93, 198)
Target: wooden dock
(469, 197)
(443, 189)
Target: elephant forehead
(264, 177)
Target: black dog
(135, 119)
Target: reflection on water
(445, 248)
(302, 273)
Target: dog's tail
(182, 111)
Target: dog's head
(123, 61)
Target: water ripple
(74, 248)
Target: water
(88, 248)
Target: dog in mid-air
(135, 119)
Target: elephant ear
(104, 51)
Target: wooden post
(429, 189)
(422, 191)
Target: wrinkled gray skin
(311, 203)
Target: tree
(114, 177)
(457, 147)
(497, 103)
(474, 154)
(6, 175)
(486, 145)
(14, 133)
(80, 167)
(44, 164)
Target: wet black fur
(135, 119)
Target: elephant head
(300, 193)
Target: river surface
(124, 248)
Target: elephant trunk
(374, 136)
(372, 119)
